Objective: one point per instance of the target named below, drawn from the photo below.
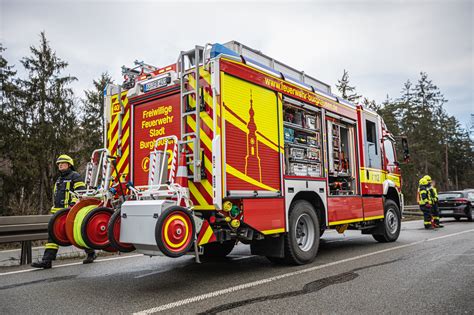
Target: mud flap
(269, 246)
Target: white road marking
(286, 275)
(70, 264)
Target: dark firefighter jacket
(68, 182)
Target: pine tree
(371, 104)
(7, 134)
(50, 122)
(93, 119)
(347, 92)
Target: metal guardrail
(412, 210)
(24, 229)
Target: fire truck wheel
(216, 250)
(302, 240)
(94, 228)
(391, 223)
(174, 232)
(114, 234)
(57, 228)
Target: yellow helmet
(423, 181)
(65, 159)
(428, 178)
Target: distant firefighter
(425, 202)
(434, 198)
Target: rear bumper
(450, 212)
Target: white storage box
(297, 153)
(314, 170)
(139, 218)
(313, 154)
(298, 169)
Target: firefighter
(425, 202)
(68, 181)
(434, 198)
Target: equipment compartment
(302, 131)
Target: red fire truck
(230, 145)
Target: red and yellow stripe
(201, 193)
(113, 143)
(206, 235)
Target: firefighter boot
(437, 223)
(91, 256)
(45, 263)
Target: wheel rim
(304, 232)
(97, 228)
(59, 228)
(391, 221)
(176, 232)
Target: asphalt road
(423, 272)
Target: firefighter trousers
(426, 215)
(435, 213)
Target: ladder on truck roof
(188, 64)
(278, 66)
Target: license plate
(156, 84)
(447, 211)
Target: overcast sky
(381, 43)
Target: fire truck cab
(229, 145)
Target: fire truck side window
(372, 147)
(389, 153)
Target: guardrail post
(26, 255)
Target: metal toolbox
(313, 154)
(289, 134)
(139, 219)
(298, 169)
(314, 170)
(297, 153)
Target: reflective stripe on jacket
(433, 194)
(424, 196)
(68, 182)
